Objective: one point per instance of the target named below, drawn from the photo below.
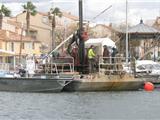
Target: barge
(33, 84)
(105, 83)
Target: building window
(33, 34)
(6, 46)
(12, 46)
(45, 20)
(1, 59)
(30, 45)
(10, 59)
(33, 45)
(22, 45)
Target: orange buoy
(148, 86)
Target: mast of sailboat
(126, 31)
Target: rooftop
(142, 28)
(6, 35)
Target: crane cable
(102, 12)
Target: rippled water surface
(80, 105)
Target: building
(102, 31)
(143, 41)
(157, 23)
(40, 26)
(10, 49)
(12, 36)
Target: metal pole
(102, 12)
(53, 36)
(80, 16)
(126, 31)
(53, 43)
(14, 62)
(158, 50)
(64, 34)
(20, 48)
(154, 57)
(81, 41)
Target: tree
(4, 11)
(43, 48)
(52, 17)
(64, 32)
(29, 9)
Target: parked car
(148, 66)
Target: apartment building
(40, 26)
(11, 38)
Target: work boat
(35, 84)
(116, 76)
(44, 81)
(58, 74)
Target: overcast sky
(137, 9)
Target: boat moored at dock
(104, 83)
(33, 84)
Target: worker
(91, 58)
(106, 54)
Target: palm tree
(52, 17)
(29, 9)
(4, 11)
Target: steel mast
(81, 41)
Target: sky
(137, 9)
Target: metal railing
(59, 65)
(116, 65)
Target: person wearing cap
(91, 59)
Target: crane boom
(102, 12)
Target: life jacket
(91, 54)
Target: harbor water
(80, 105)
